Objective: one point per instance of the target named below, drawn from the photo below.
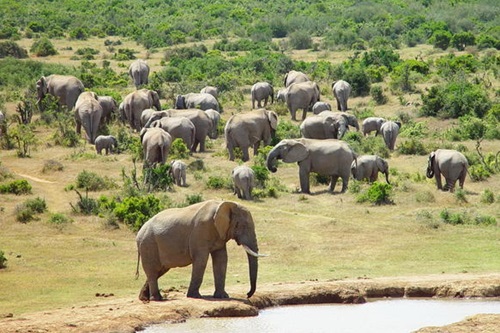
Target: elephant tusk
(252, 253)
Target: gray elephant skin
(202, 122)
(179, 128)
(322, 127)
(368, 167)
(372, 124)
(106, 142)
(319, 107)
(210, 90)
(243, 181)
(248, 129)
(178, 172)
(109, 108)
(136, 102)
(65, 87)
(294, 77)
(262, 91)
(178, 237)
(451, 164)
(302, 96)
(350, 118)
(156, 145)
(341, 91)
(390, 132)
(139, 72)
(197, 101)
(328, 157)
(88, 114)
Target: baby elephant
(243, 180)
(107, 142)
(368, 167)
(178, 172)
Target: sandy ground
(110, 314)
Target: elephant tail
(137, 268)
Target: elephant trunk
(271, 160)
(387, 176)
(430, 169)
(252, 254)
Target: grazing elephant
(294, 77)
(65, 87)
(156, 145)
(210, 90)
(371, 124)
(319, 107)
(243, 181)
(390, 131)
(451, 164)
(320, 127)
(178, 127)
(109, 107)
(247, 130)
(139, 72)
(107, 142)
(88, 114)
(202, 122)
(178, 172)
(341, 122)
(351, 119)
(197, 101)
(302, 96)
(261, 91)
(138, 101)
(368, 167)
(341, 91)
(178, 237)
(281, 95)
(328, 157)
(146, 116)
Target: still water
(387, 316)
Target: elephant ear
(273, 119)
(382, 165)
(222, 219)
(297, 151)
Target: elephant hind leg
(144, 293)
(333, 182)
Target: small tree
(441, 39)
(43, 48)
(462, 39)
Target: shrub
(412, 147)
(378, 194)
(25, 138)
(300, 40)
(135, 211)
(26, 211)
(24, 214)
(52, 165)
(124, 54)
(85, 205)
(413, 129)
(441, 39)
(3, 260)
(43, 48)
(487, 197)
(193, 198)
(16, 187)
(179, 150)
(11, 49)
(37, 205)
(460, 196)
(462, 39)
(286, 130)
(478, 172)
(59, 219)
(452, 218)
(158, 178)
(91, 181)
(377, 93)
(217, 182)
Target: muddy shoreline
(130, 315)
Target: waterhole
(387, 316)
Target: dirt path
(129, 315)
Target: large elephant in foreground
(451, 164)
(178, 237)
(294, 77)
(139, 72)
(302, 96)
(65, 87)
(341, 91)
(247, 130)
(368, 167)
(201, 101)
(136, 102)
(328, 157)
(390, 132)
(156, 145)
(88, 114)
(262, 91)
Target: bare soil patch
(130, 315)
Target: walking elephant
(138, 101)
(329, 157)
(262, 91)
(210, 90)
(247, 130)
(88, 114)
(368, 167)
(156, 145)
(109, 108)
(197, 101)
(139, 72)
(390, 131)
(294, 77)
(178, 127)
(451, 164)
(341, 91)
(65, 87)
(302, 96)
(178, 237)
(178, 172)
(243, 181)
(106, 142)
(319, 107)
(321, 127)
(371, 124)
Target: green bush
(24, 214)
(487, 197)
(59, 219)
(218, 182)
(135, 211)
(441, 39)
(378, 194)
(413, 129)
(11, 49)
(158, 178)
(17, 187)
(85, 205)
(179, 150)
(478, 172)
(3, 260)
(91, 181)
(300, 40)
(377, 94)
(452, 218)
(26, 211)
(462, 39)
(37, 205)
(286, 130)
(51, 166)
(124, 54)
(193, 198)
(43, 48)
(460, 218)
(412, 146)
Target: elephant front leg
(438, 180)
(333, 182)
(219, 263)
(246, 156)
(304, 181)
(199, 266)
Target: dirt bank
(129, 315)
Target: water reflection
(401, 315)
